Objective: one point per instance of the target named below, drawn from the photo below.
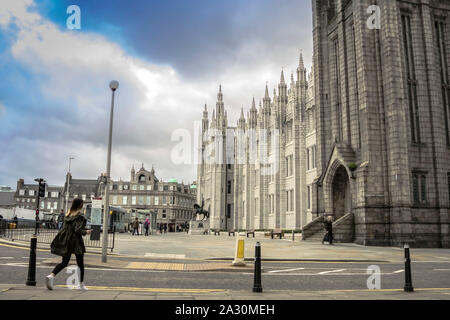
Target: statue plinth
(198, 227)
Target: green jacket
(69, 239)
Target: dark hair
(77, 204)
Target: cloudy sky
(169, 57)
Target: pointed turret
(220, 112)
(133, 173)
(282, 88)
(266, 100)
(205, 120)
(241, 121)
(301, 71)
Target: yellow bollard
(239, 256)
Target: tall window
(309, 196)
(440, 36)
(229, 186)
(133, 200)
(419, 188)
(411, 78)
(308, 166)
(125, 200)
(290, 200)
(338, 93)
(448, 182)
(228, 211)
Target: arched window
(142, 178)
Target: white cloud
(75, 67)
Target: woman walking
(68, 241)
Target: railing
(45, 235)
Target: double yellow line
(150, 290)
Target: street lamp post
(68, 186)
(113, 85)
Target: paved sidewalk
(181, 246)
(222, 247)
(134, 264)
(22, 292)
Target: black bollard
(257, 287)
(408, 279)
(31, 281)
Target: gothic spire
(282, 77)
(266, 95)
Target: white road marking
(164, 255)
(6, 258)
(445, 258)
(286, 270)
(332, 271)
(398, 271)
(441, 269)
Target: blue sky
(169, 57)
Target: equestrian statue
(200, 211)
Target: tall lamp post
(113, 85)
(68, 186)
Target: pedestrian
(136, 226)
(60, 219)
(160, 228)
(68, 241)
(329, 228)
(165, 228)
(146, 225)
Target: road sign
(96, 211)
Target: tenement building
(173, 202)
(380, 139)
(259, 174)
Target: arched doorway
(341, 193)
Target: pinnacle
(282, 76)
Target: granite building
(367, 141)
(383, 140)
(259, 174)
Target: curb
(306, 260)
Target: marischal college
(364, 137)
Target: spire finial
(267, 91)
(282, 76)
(301, 63)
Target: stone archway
(341, 197)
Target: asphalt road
(299, 276)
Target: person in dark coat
(329, 228)
(68, 241)
(136, 226)
(60, 219)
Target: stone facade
(173, 202)
(366, 141)
(258, 175)
(383, 139)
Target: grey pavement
(180, 245)
(22, 292)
